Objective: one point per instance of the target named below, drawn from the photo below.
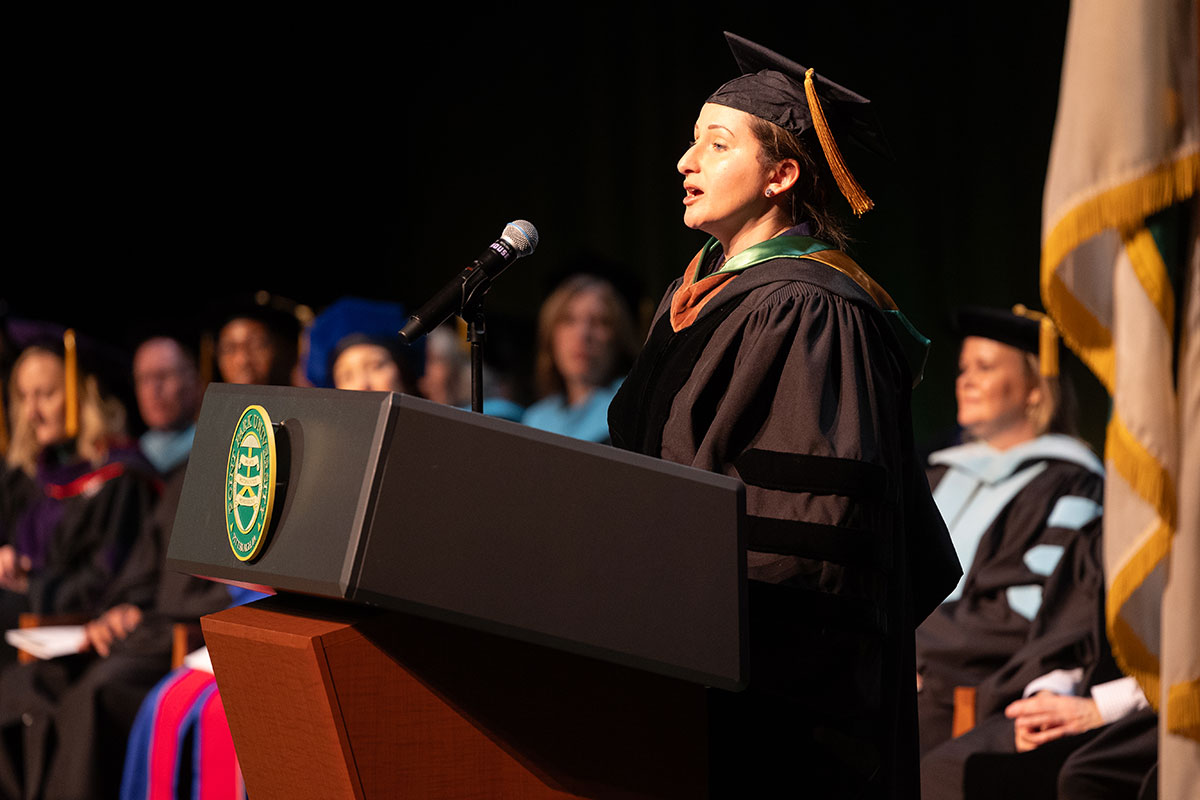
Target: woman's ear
(783, 176)
(1035, 397)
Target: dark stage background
(164, 160)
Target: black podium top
(394, 501)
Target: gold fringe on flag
(71, 373)
(1183, 709)
(849, 187)
(1121, 207)
(1149, 480)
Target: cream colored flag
(1124, 162)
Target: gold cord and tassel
(71, 375)
(1047, 339)
(849, 187)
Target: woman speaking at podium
(777, 360)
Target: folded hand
(1047, 716)
(116, 623)
(14, 570)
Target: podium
(465, 607)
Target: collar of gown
(990, 465)
(694, 293)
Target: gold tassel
(849, 187)
(1047, 339)
(71, 374)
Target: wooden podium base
(329, 700)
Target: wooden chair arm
(964, 710)
(185, 637)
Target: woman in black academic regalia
(776, 359)
(1023, 500)
(64, 552)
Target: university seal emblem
(250, 482)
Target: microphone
(518, 239)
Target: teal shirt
(587, 420)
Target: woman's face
(724, 181)
(366, 367)
(582, 342)
(994, 388)
(41, 392)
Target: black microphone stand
(476, 334)
(472, 312)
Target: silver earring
(770, 192)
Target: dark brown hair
(810, 194)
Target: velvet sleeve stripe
(847, 546)
(809, 609)
(796, 472)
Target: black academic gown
(792, 380)
(17, 493)
(67, 720)
(981, 639)
(992, 637)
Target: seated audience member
(1022, 500)
(1073, 741)
(447, 375)
(353, 344)
(586, 344)
(258, 344)
(94, 490)
(68, 551)
(90, 700)
(167, 386)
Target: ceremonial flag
(1119, 240)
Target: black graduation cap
(1022, 328)
(282, 315)
(781, 91)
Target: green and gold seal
(250, 482)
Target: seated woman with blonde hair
(93, 490)
(1022, 499)
(63, 553)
